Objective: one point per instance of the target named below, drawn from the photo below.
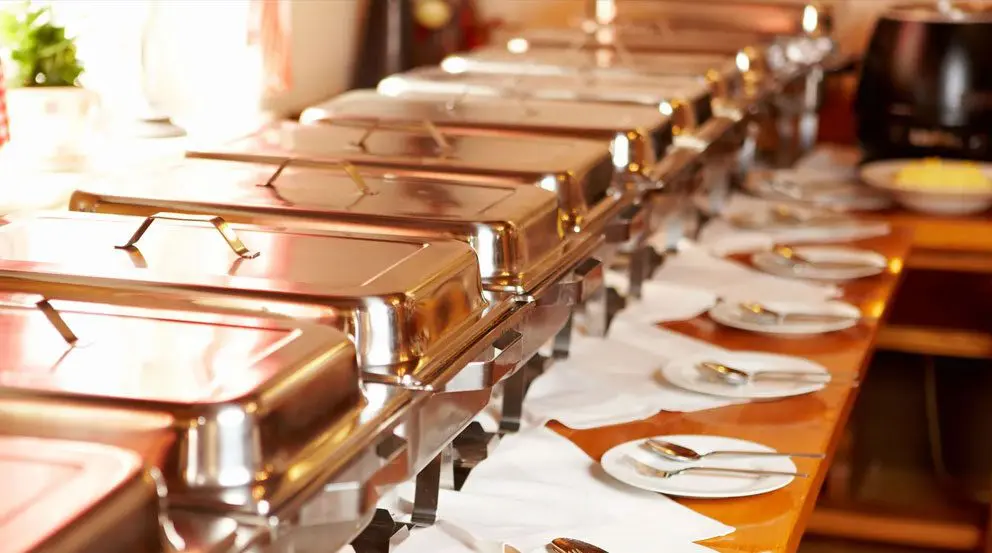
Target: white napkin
(624, 537)
(661, 301)
(552, 489)
(722, 238)
(694, 267)
(616, 380)
(538, 486)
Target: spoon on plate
(737, 377)
(767, 315)
(799, 261)
(676, 452)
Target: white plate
(682, 372)
(701, 485)
(815, 188)
(732, 315)
(873, 263)
(961, 201)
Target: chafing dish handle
(492, 369)
(629, 224)
(225, 230)
(348, 168)
(57, 321)
(443, 146)
(587, 279)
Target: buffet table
(814, 422)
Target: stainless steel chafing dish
(246, 418)
(515, 230)
(709, 135)
(68, 497)
(725, 73)
(415, 310)
(639, 135)
(580, 171)
(792, 50)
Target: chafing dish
(247, 418)
(515, 230)
(711, 136)
(639, 135)
(785, 70)
(580, 171)
(415, 309)
(68, 497)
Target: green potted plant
(47, 109)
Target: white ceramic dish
(701, 485)
(733, 315)
(865, 263)
(950, 201)
(684, 373)
(816, 188)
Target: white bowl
(881, 174)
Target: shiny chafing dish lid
(239, 413)
(563, 61)
(71, 497)
(579, 171)
(480, 114)
(515, 230)
(662, 93)
(722, 74)
(402, 299)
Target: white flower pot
(49, 127)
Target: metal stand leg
(439, 472)
(637, 271)
(514, 389)
(597, 313)
(563, 341)
(375, 537)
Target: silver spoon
(676, 452)
(762, 313)
(648, 470)
(737, 377)
(799, 261)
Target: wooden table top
(776, 521)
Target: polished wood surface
(776, 521)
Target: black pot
(926, 84)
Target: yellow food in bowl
(937, 174)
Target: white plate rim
(879, 175)
(762, 260)
(611, 458)
(716, 314)
(670, 369)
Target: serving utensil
(570, 545)
(762, 313)
(799, 261)
(648, 470)
(676, 452)
(737, 377)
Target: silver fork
(648, 470)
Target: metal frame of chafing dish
(632, 151)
